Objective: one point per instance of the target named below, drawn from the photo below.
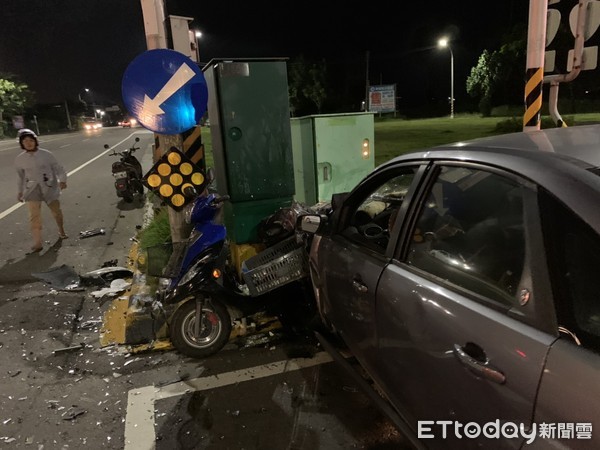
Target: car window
(374, 213)
(574, 258)
(470, 233)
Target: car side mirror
(310, 223)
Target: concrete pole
(154, 23)
(154, 26)
(451, 82)
(536, 47)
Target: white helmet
(22, 133)
(26, 131)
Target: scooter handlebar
(221, 199)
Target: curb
(132, 318)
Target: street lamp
(82, 100)
(89, 92)
(442, 43)
(198, 35)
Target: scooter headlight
(194, 270)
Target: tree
(499, 76)
(14, 97)
(307, 86)
(480, 82)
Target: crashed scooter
(204, 295)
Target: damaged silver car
(464, 281)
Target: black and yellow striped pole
(536, 45)
(533, 98)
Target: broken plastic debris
(116, 286)
(130, 361)
(69, 349)
(72, 413)
(90, 233)
(63, 277)
(88, 324)
(105, 275)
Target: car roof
(577, 146)
(581, 142)
(557, 159)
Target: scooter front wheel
(214, 330)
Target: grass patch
(207, 142)
(158, 230)
(394, 137)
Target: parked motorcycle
(205, 294)
(127, 173)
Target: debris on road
(73, 412)
(104, 275)
(63, 278)
(69, 349)
(90, 233)
(90, 324)
(116, 286)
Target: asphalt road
(88, 202)
(59, 388)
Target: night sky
(60, 47)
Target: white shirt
(39, 168)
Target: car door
(463, 325)
(568, 396)
(352, 257)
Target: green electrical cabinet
(332, 153)
(251, 139)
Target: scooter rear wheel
(128, 196)
(215, 328)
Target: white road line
(16, 206)
(7, 149)
(139, 419)
(66, 145)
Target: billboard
(382, 98)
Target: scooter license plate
(120, 174)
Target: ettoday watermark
(432, 429)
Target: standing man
(40, 178)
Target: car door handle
(483, 369)
(359, 286)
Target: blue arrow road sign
(165, 91)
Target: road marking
(66, 145)
(16, 206)
(139, 418)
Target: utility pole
(69, 126)
(367, 83)
(154, 23)
(536, 45)
(154, 26)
